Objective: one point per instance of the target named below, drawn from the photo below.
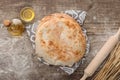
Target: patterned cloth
(79, 16)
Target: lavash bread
(59, 40)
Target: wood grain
(102, 21)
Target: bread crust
(60, 40)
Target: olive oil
(16, 30)
(27, 14)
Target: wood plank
(102, 21)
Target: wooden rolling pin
(101, 55)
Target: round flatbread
(60, 40)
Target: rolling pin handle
(84, 77)
(118, 34)
(101, 55)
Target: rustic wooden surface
(16, 60)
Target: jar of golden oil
(27, 14)
(15, 27)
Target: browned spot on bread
(70, 37)
(76, 42)
(53, 45)
(77, 53)
(63, 58)
(61, 16)
(70, 25)
(42, 42)
(50, 43)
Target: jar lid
(27, 14)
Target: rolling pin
(101, 55)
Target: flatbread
(60, 40)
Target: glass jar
(16, 28)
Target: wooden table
(17, 61)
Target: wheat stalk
(111, 69)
